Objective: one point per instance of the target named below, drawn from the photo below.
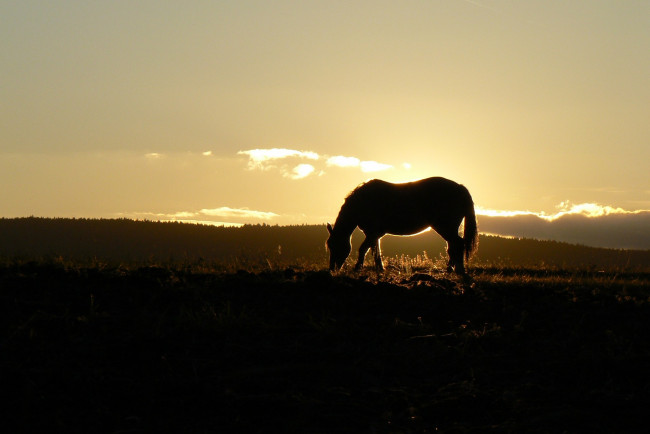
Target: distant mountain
(629, 230)
(124, 240)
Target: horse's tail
(470, 235)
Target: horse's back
(434, 187)
(435, 181)
(409, 207)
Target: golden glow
(241, 105)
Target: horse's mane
(366, 187)
(350, 205)
(355, 191)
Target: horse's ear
(329, 228)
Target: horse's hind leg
(376, 253)
(450, 265)
(455, 250)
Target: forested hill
(122, 240)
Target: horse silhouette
(378, 208)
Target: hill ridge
(124, 240)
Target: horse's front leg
(363, 249)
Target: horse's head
(339, 248)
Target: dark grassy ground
(153, 349)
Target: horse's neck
(345, 222)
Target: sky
(234, 112)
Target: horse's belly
(395, 220)
(407, 229)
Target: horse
(378, 208)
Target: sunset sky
(272, 111)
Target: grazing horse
(378, 208)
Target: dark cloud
(616, 230)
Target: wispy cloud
(366, 166)
(587, 223)
(373, 166)
(300, 171)
(342, 161)
(280, 158)
(588, 210)
(259, 158)
(245, 213)
(182, 214)
(211, 216)
(565, 208)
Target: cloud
(225, 211)
(341, 161)
(153, 155)
(280, 159)
(588, 223)
(183, 214)
(373, 166)
(300, 171)
(205, 216)
(588, 210)
(366, 166)
(258, 158)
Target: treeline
(123, 240)
(130, 240)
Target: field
(277, 344)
